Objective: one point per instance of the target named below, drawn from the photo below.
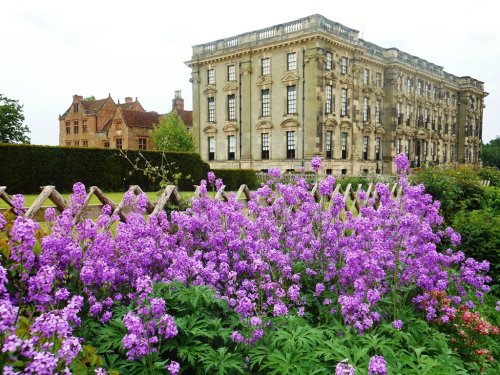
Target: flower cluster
(148, 324)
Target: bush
(234, 178)
(480, 236)
(24, 168)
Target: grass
(115, 197)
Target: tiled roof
(186, 116)
(93, 105)
(106, 126)
(140, 119)
(136, 106)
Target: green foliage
(354, 181)
(480, 231)
(171, 135)
(12, 129)
(491, 174)
(234, 178)
(490, 153)
(24, 168)
(456, 187)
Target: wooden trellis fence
(171, 195)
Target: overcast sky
(50, 50)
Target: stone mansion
(278, 96)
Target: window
(329, 145)
(105, 144)
(365, 148)
(266, 66)
(408, 111)
(398, 112)
(445, 151)
(265, 146)
(377, 148)
(75, 107)
(68, 127)
(211, 148)
(329, 61)
(211, 109)
(366, 109)
(265, 100)
(231, 108)
(344, 171)
(211, 76)
(343, 65)
(75, 127)
(119, 143)
(407, 149)
(291, 59)
(85, 143)
(290, 145)
(428, 90)
(118, 125)
(343, 144)
(426, 116)
(231, 147)
(329, 99)
(378, 110)
(419, 87)
(433, 150)
(425, 149)
(76, 143)
(68, 143)
(378, 80)
(291, 99)
(343, 103)
(366, 77)
(231, 73)
(409, 85)
(84, 126)
(398, 145)
(142, 144)
(452, 153)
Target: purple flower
(398, 324)
(402, 163)
(18, 203)
(211, 177)
(316, 163)
(218, 184)
(173, 367)
(344, 368)
(237, 337)
(377, 365)
(274, 173)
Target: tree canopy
(171, 135)
(490, 153)
(12, 129)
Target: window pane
(291, 99)
(266, 66)
(231, 108)
(265, 103)
(231, 73)
(211, 109)
(265, 145)
(291, 61)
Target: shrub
(234, 178)
(24, 168)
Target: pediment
(367, 129)
(230, 128)
(290, 78)
(264, 126)
(345, 81)
(230, 87)
(331, 123)
(210, 129)
(379, 92)
(368, 90)
(210, 91)
(289, 123)
(345, 123)
(379, 130)
(264, 82)
(330, 75)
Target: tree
(490, 153)
(171, 135)
(12, 129)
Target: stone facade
(278, 96)
(104, 124)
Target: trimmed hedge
(234, 178)
(24, 168)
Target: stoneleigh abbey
(278, 96)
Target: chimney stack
(178, 102)
(128, 99)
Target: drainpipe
(303, 102)
(239, 111)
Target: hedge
(24, 168)
(234, 178)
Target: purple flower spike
(402, 163)
(377, 365)
(316, 163)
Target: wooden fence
(170, 195)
